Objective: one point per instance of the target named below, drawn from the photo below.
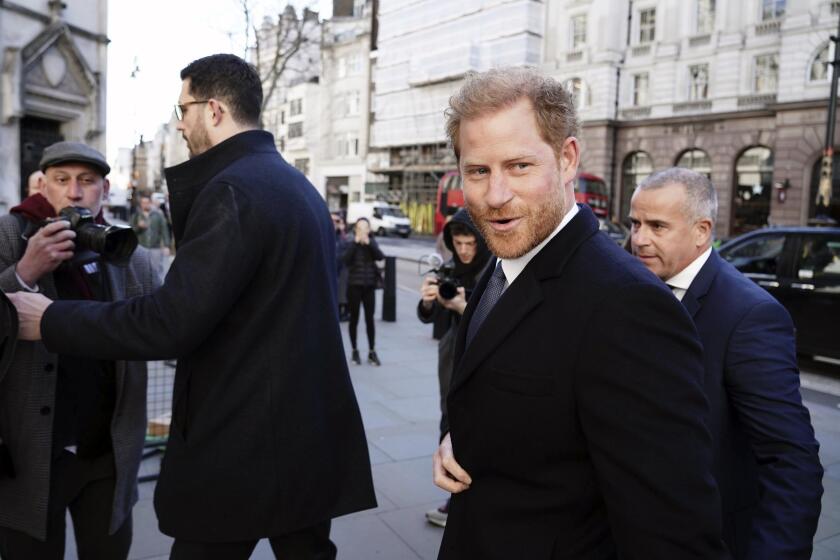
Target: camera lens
(447, 289)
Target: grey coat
(27, 399)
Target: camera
(113, 243)
(447, 283)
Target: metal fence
(159, 414)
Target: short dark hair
(230, 79)
(457, 228)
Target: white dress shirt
(680, 282)
(514, 267)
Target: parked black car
(800, 266)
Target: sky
(163, 36)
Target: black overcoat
(266, 435)
(578, 410)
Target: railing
(757, 99)
(692, 106)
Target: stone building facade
(737, 90)
(52, 83)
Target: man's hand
(30, 309)
(45, 251)
(457, 304)
(429, 291)
(448, 474)
(362, 238)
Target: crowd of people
(595, 402)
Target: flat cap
(73, 152)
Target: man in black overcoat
(266, 437)
(576, 409)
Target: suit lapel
(520, 298)
(516, 302)
(693, 298)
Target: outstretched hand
(448, 474)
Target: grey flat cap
(73, 152)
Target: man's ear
(703, 231)
(569, 159)
(216, 110)
(106, 188)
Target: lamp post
(823, 201)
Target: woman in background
(360, 257)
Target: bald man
(35, 183)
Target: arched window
(635, 169)
(820, 68)
(579, 92)
(753, 183)
(696, 159)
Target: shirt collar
(685, 277)
(514, 267)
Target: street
(399, 404)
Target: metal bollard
(389, 293)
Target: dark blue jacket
(766, 460)
(266, 434)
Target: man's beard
(198, 142)
(536, 225)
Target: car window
(819, 258)
(759, 255)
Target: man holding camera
(446, 295)
(72, 428)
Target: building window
(342, 67)
(295, 107)
(347, 146)
(302, 165)
(578, 32)
(579, 93)
(766, 73)
(696, 160)
(698, 87)
(295, 130)
(635, 169)
(751, 196)
(354, 64)
(358, 8)
(820, 66)
(647, 25)
(772, 9)
(640, 89)
(705, 16)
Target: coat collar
(520, 298)
(693, 298)
(186, 180)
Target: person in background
(363, 275)
(470, 256)
(765, 454)
(340, 246)
(149, 224)
(34, 183)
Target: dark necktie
(492, 293)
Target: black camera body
(114, 243)
(447, 283)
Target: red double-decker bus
(590, 189)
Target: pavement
(400, 408)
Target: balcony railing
(767, 27)
(574, 56)
(700, 40)
(641, 50)
(692, 106)
(758, 99)
(636, 113)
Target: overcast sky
(164, 36)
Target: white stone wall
(18, 27)
(425, 48)
(730, 50)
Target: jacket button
(49, 367)
(45, 410)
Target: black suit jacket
(579, 412)
(766, 457)
(266, 436)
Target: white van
(384, 218)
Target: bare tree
(280, 47)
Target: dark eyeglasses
(181, 108)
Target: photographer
(72, 428)
(360, 256)
(469, 257)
